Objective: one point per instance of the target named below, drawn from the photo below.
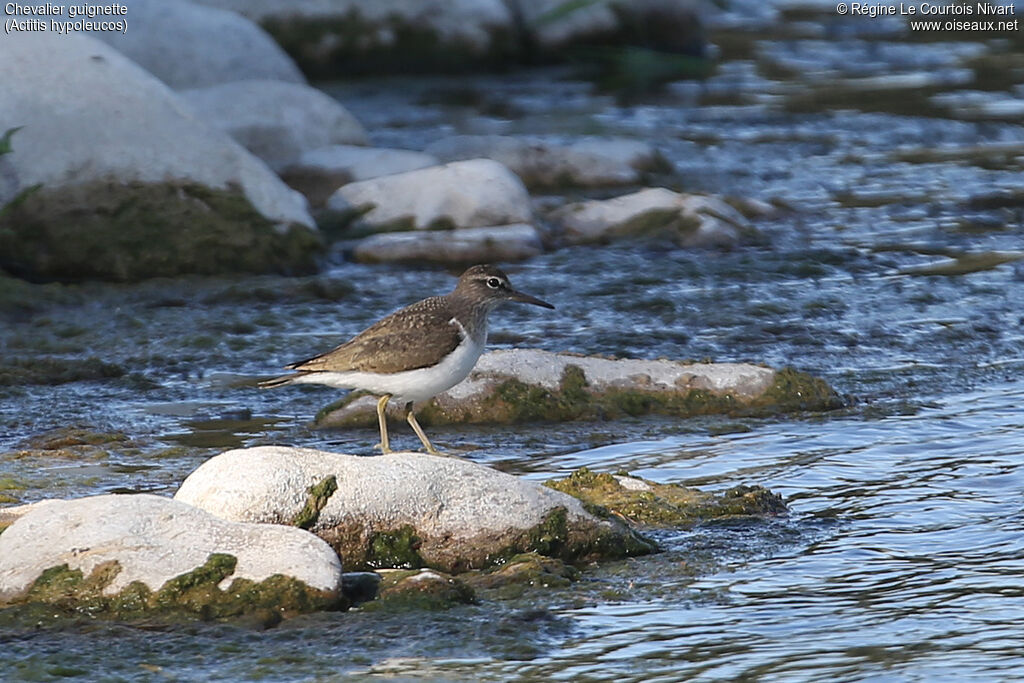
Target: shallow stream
(891, 272)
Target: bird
(416, 352)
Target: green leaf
(5, 141)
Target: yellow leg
(385, 447)
(411, 418)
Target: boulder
(523, 385)
(404, 510)
(691, 220)
(129, 553)
(129, 185)
(464, 194)
(319, 172)
(189, 45)
(274, 120)
(452, 247)
(545, 163)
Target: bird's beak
(527, 299)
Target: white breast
(411, 385)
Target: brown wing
(414, 337)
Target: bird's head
(489, 284)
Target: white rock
(693, 220)
(463, 513)
(468, 245)
(154, 539)
(274, 120)
(588, 19)
(542, 162)
(137, 132)
(319, 172)
(465, 194)
(189, 45)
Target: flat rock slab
(452, 247)
(404, 510)
(464, 194)
(542, 162)
(143, 551)
(690, 220)
(522, 385)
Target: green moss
(194, 593)
(398, 548)
(662, 505)
(551, 536)
(319, 494)
(134, 231)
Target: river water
(891, 272)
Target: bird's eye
(493, 282)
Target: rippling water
(902, 556)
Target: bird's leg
(411, 418)
(385, 447)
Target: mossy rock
(195, 593)
(427, 589)
(521, 573)
(498, 399)
(134, 231)
(647, 504)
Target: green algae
(648, 504)
(195, 593)
(49, 370)
(319, 494)
(134, 231)
(398, 548)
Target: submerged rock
(188, 45)
(647, 504)
(136, 553)
(276, 121)
(464, 194)
(690, 220)
(452, 247)
(522, 385)
(319, 172)
(129, 185)
(541, 162)
(405, 510)
(403, 590)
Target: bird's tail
(279, 381)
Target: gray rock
(542, 162)
(319, 172)
(520, 385)
(468, 26)
(452, 247)
(132, 168)
(189, 45)
(692, 220)
(153, 540)
(465, 194)
(276, 121)
(405, 509)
